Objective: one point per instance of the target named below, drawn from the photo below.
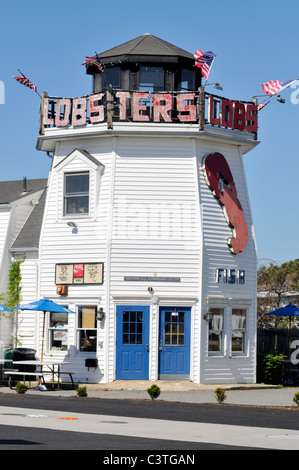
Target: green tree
(274, 282)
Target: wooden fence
(276, 340)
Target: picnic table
(52, 367)
(2, 368)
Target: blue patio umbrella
(4, 309)
(44, 305)
(290, 311)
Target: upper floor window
(151, 79)
(111, 77)
(76, 193)
(188, 80)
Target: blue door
(174, 342)
(132, 342)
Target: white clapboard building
(145, 230)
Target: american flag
(262, 105)
(274, 86)
(204, 60)
(25, 81)
(94, 61)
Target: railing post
(201, 112)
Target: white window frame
(80, 329)
(51, 329)
(82, 194)
(220, 331)
(241, 329)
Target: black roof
(144, 48)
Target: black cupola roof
(125, 66)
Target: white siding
(151, 214)
(227, 369)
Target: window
(112, 77)
(87, 328)
(76, 193)
(188, 80)
(58, 331)
(151, 79)
(216, 331)
(132, 327)
(238, 330)
(174, 333)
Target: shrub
(154, 391)
(21, 388)
(274, 368)
(296, 398)
(81, 391)
(220, 395)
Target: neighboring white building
(147, 232)
(18, 199)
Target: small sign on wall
(79, 273)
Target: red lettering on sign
(220, 181)
(137, 107)
(239, 116)
(251, 116)
(66, 103)
(123, 95)
(212, 112)
(226, 113)
(162, 109)
(79, 112)
(188, 108)
(96, 111)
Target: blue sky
(254, 42)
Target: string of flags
(203, 60)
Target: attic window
(76, 193)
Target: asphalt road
(125, 427)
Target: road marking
(183, 431)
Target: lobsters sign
(146, 107)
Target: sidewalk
(183, 391)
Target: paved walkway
(183, 391)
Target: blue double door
(132, 342)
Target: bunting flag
(25, 81)
(204, 60)
(274, 86)
(94, 61)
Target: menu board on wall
(79, 273)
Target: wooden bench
(23, 374)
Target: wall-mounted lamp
(100, 314)
(280, 99)
(217, 85)
(72, 224)
(208, 316)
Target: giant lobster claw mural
(219, 178)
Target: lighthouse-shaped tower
(147, 232)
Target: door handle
(160, 347)
(146, 347)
